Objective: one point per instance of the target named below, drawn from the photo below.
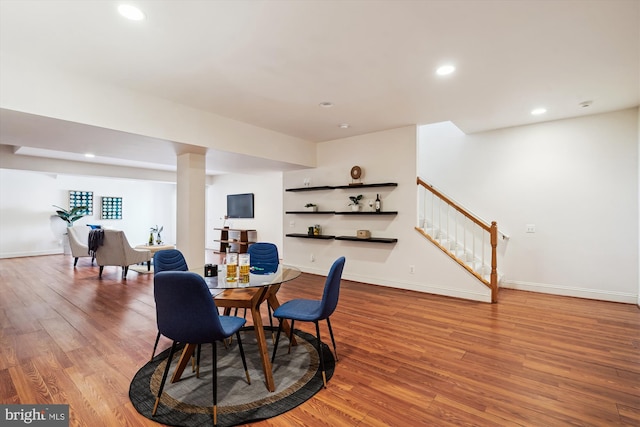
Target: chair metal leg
(275, 345)
(101, 268)
(332, 339)
(164, 378)
(291, 336)
(324, 376)
(75, 262)
(155, 346)
(198, 361)
(215, 383)
(270, 320)
(244, 360)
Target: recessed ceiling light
(344, 126)
(538, 111)
(326, 104)
(131, 12)
(89, 155)
(445, 70)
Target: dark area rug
(189, 402)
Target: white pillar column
(190, 199)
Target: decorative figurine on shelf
(157, 230)
(356, 174)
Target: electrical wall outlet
(531, 228)
(412, 269)
(312, 257)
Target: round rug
(189, 402)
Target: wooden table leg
(262, 347)
(187, 352)
(251, 298)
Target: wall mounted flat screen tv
(240, 205)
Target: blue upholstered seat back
(169, 260)
(186, 311)
(331, 289)
(264, 256)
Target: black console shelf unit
(353, 187)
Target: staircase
(467, 239)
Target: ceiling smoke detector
(585, 104)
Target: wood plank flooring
(405, 358)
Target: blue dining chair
(186, 313)
(167, 260)
(306, 310)
(264, 259)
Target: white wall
(575, 179)
(267, 189)
(388, 156)
(28, 225)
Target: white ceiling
(270, 63)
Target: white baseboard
(31, 253)
(419, 287)
(570, 291)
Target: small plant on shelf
(311, 207)
(355, 202)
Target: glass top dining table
(257, 278)
(251, 294)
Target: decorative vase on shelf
(355, 208)
(151, 239)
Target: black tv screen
(240, 205)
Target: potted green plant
(355, 202)
(311, 207)
(72, 215)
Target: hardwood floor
(405, 358)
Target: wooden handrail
(492, 229)
(450, 202)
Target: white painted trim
(31, 253)
(418, 287)
(570, 291)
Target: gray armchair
(115, 250)
(78, 242)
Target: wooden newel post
(494, 262)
